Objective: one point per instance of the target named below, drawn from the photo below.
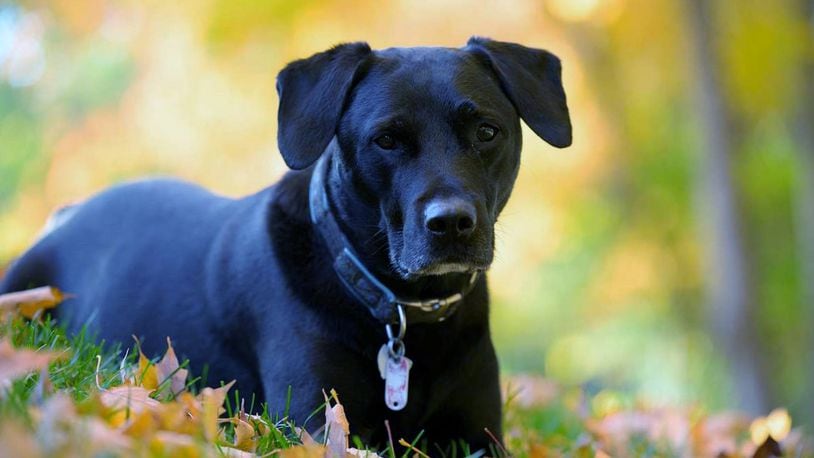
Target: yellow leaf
(140, 424)
(244, 435)
(257, 422)
(182, 415)
(126, 401)
(212, 401)
(166, 443)
(147, 371)
(32, 301)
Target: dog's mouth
(414, 252)
(414, 264)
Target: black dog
(372, 256)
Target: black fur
(246, 286)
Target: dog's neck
(359, 217)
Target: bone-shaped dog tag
(396, 382)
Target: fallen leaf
(354, 452)
(141, 424)
(212, 402)
(147, 371)
(169, 369)
(337, 428)
(60, 429)
(184, 415)
(230, 452)
(125, 401)
(304, 451)
(16, 440)
(715, 435)
(244, 435)
(167, 443)
(30, 302)
(16, 362)
(305, 437)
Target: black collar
(371, 292)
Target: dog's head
(429, 136)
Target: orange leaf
(32, 301)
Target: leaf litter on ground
(66, 396)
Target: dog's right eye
(385, 141)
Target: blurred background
(666, 257)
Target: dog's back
(108, 249)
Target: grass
(567, 424)
(89, 362)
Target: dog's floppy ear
(532, 79)
(312, 94)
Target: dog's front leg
(474, 406)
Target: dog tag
(396, 382)
(381, 360)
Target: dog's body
(248, 288)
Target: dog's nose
(450, 217)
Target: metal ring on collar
(395, 347)
(402, 325)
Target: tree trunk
(804, 198)
(732, 301)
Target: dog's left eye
(486, 132)
(385, 141)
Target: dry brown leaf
(16, 440)
(305, 437)
(169, 369)
(30, 302)
(337, 427)
(16, 362)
